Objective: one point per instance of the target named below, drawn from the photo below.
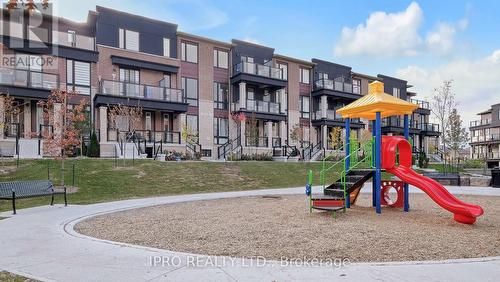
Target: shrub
(423, 161)
(473, 164)
(256, 157)
(94, 149)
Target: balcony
(261, 109)
(73, 40)
(146, 96)
(333, 119)
(485, 138)
(336, 88)
(487, 156)
(429, 127)
(265, 76)
(480, 122)
(421, 104)
(37, 84)
(143, 91)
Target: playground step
(360, 172)
(334, 192)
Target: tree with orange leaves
(64, 117)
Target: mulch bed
(282, 227)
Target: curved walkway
(40, 243)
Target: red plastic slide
(462, 212)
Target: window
(284, 69)
(304, 76)
(247, 59)
(304, 106)
(322, 75)
(129, 75)
(221, 130)
(221, 59)
(78, 76)
(128, 39)
(190, 87)
(356, 86)
(72, 38)
(166, 47)
(220, 95)
(192, 125)
(396, 92)
(148, 122)
(189, 52)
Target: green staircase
(339, 183)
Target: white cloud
(475, 82)
(383, 33)
(440, 40)
(397, 34)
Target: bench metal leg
(14, 202)
(52, 200)
(65, 198)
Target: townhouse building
(195, 94)
(485, 136)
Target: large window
(304, 106)
(189, 52)
(221, 130)
(284, 69)
(221, 59)
(166, 47)
(190, 87)
(220, 95)
(356, 86)
(192, 126)
(78, 76)
(322, 75)
(304, 76)
(128, 39)
(396, 92)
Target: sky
(424, 42)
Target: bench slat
(26, 188)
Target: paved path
(40, 243)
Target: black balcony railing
(334, 84)
(480, 122)
(28, 78)
(149, 136)
(135, 90)
(332, 115)
(429, 127)
(259, 69)
(421, 104)
(256, 141)
(259, 106)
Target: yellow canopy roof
(377, 101)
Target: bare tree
(442, 104)
(456, 137)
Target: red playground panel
(328, 203)
(386, 200)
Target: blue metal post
(378, 162)
(406, 187)
(374, 179)
(347, 152)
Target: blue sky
(424, 42)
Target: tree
(94, 149)
(296, 134)
(125, 118)
(442, 104)
(336, 138)
(456, 137)
(252, 130)
(66, 136)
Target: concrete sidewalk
(40, 243)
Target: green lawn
(10, 277)
(100, 180)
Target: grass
(10, 277)
(98, 180)
(445, 168)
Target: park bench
(28, 189)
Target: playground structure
(367, 160)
